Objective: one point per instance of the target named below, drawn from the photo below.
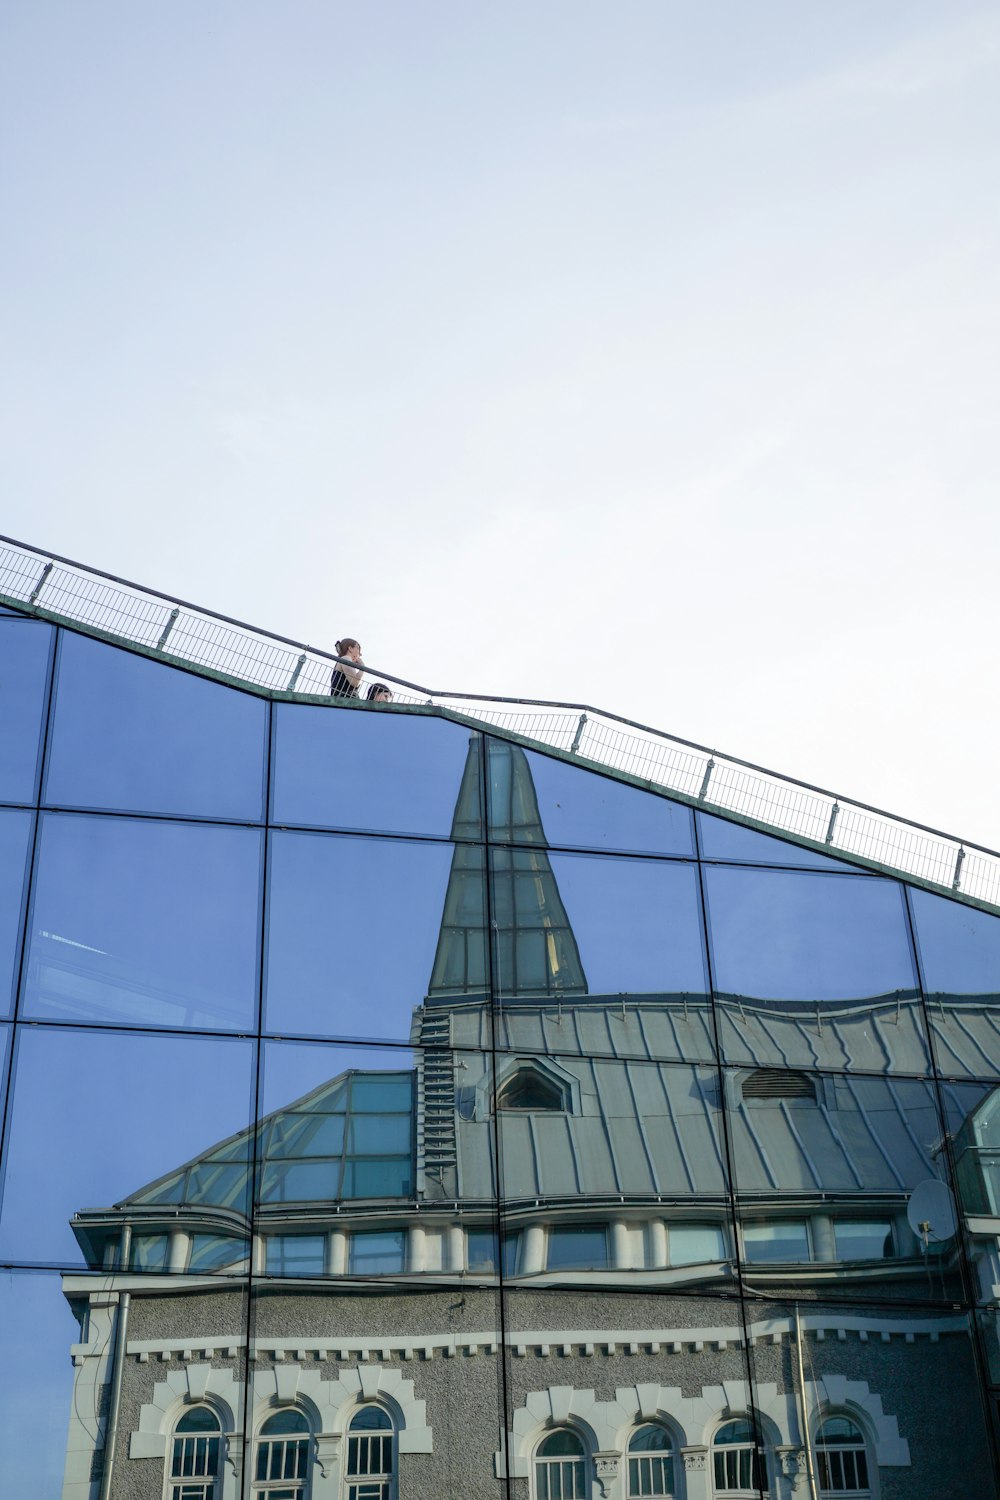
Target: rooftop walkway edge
(64, 592)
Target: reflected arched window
(738, 1461)
(371, 1455)
(842, 1459)
(283, 1456)
(561, 1467)
(195, 1453)
(650, 1462)
(528, 1089)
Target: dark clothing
(341, 686)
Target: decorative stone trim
(217, 1388)
(840, 1325)
(549, 1344)
(692, 1420)
(841, 1394)
(606, 1470)
(332, 1402)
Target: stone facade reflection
(512, 1265)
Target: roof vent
(776, 1083)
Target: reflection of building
(624, 1329)
(464, 1122)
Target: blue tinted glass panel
(379, 1135)
(98, 1117)
(153, 924)
(362, 931)
(148, 1252)
(15, 845)
(377, 1254)
(481, 1250)
(133, 734)
(959, 947)
(37, 1380)
(298, 1133)
(779, 1240)
(537, 799)
(696, 1244)
(378, 1177)
(5, 1035)
(295, 1254)
(217, 1252)
(374, 770)
(300, 1181)
(863, 1239)
(380, 1095)
(25, 649)
(723, 840)
(814, 970)
(578, 1247)
(788, 936)
(959, 951)
(620, 940)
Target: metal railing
(57, 589)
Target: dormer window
(778, 1083)
(530, 1090)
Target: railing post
(295, 675)
(41, 582)
(834, 813)
(578, 736)
(958, 867)
(706, 778)
(168, 627)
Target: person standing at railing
(346, 675)
(378, 693)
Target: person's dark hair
(345, 645)
(377, 689)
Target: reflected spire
(535, 953)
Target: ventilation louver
(776, 1083)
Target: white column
(822, 1237)
(336, 1252)
(180, 1248)
(658, 1244)
(416, 1248)
(621, 1250)
(532, 1251)
(456, 1247)
(697, 1473)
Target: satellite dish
(931, 1212)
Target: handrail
(57, 588)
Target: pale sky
(640, 353)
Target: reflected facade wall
(390, 1110)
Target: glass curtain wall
(389, 1109)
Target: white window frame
(205, 1485)
(371, 1486)
(654, 1461)
(843, 1491)
(299, 1485)
(560, 1477)
(739, 1491)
